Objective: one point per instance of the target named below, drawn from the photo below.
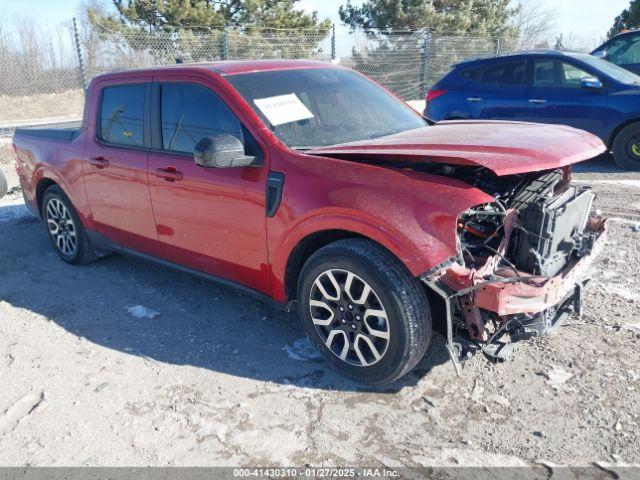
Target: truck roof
(227, 67)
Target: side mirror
(221, 151)
(591, 83)
(600, 54)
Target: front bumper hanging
(517, 304)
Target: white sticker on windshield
(283, 109)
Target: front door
(556, 96)
(208, 219)
(115, 168)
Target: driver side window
(191, 112)
(556, 74)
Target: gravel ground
(126, 363)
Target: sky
(587, 19)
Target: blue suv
(547, 87)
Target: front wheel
(626, 147)
(364, 311)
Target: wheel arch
(306, 247)
(41, 187)
(618, 129)
(418, 251)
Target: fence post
(333, 43)
(424, 64)
(83, 75)
(498, 47)
(224, 47)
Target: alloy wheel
(349, 317)
(61, 227)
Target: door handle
(474, 99)
(170, 174)
(537, 100)
(99, 162)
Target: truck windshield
(315, 107)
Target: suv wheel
(626, 147)
(368, 316)
(65, 229)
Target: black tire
(407, 323)
(4, 188)
(83, 252)
(626, 147)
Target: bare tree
(534, 24)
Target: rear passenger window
(192, 112)
(508, 73)
(472, 75)
(121, 115)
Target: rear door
(497, 90)
(208, 219)
(556, 96)
(115, 165)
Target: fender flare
(416, 260)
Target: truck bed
(66, 133)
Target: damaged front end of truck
(523, 254)
(522, 261)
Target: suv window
(191, 112)
(624, 50)
(507, 73)
(553, 73)
(472, 74)
(121, 115)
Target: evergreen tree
(140, 32)
(158, 14)
(627, 20)
(457, 28)
(469, 17)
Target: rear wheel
(64, 228)
(368, 316)
(626, 147)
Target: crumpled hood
(505, 148)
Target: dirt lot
(218, 378)
(47, 105)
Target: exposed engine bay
(552, 216)
(522, 259)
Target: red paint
(213, 220)
(505, 148)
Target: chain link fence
(407, 63)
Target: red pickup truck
(310, 185)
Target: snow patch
(557, 377)
(633, 327)
(624, 182)
(218, 430)
(622, 291)
(12, 208)
(141, 312)
(302, 350)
